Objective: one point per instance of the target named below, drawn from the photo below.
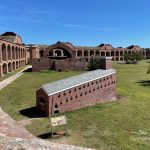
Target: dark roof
(9, 34)
(134, 47)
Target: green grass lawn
(120, 125)
(11, 73)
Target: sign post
(57, 121)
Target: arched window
(85, 53)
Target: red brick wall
(105, 62)
(43, 107)
(97, 91)
(59, 65)
(42, 64)
(70, 64)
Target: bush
(132, 58)
(93, 63)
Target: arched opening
(4, 54)
(85, 53)
(91, 53)
(107, 53)
(97, 53)
(42, 101)
(117, 53)
(102, 53)
(9, 52)
(112, 53)
(9, 67)
(13, 65)
(121, 53)
(23, 53)
(58, 53)
(117, 58)
(19, 64)
(121, 58)
(16, 52)
(79, 53)
(41, 53)
(19, 53)
(4, 68)
(56, 110)
(13, 52)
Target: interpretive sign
(58, 121)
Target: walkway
(8, 126)
(7, 81)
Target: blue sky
(81, 22)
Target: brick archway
(4, 53)
(9, 52)
(13, 66)
(9, 67)
(67, 49)
(4, 68)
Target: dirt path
(8, 126)
(27, 121)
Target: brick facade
(100, 90)
(12, 53)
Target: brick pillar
(105, 63)
(1, 71)
(7, 53)
(0, 52)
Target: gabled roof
(64, 84)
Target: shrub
(93, 63)
(132, 58)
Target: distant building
(71, 57)
(60, 57)
(12, 52)
(79, 91)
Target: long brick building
(117, 54)
(12, 52)
(79, 91)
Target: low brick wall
(70, 64)
(58, 65)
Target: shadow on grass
(28, 70)
(45, 135)
(144, 82)
(49, 135)
(31, 113)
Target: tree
(93, 63)
(132, 58)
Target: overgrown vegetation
(93, 63)
(123, 124)
(133, 58)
